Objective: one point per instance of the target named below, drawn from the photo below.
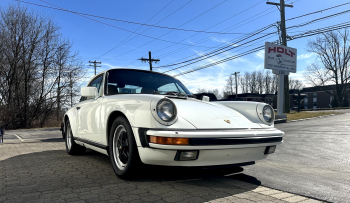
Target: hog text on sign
(280, 57)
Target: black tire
(123, 150)
(72, 148)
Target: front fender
(137, 109)
(248, 109)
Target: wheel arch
(112, 116)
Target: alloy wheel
(69, 137)
(120, 147)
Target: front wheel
(123, 150)
(72, 148)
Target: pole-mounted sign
(279, 57)
(282, 60)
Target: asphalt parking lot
(314, 159)
(312, 162)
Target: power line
(206, 55)
(223, 21)
(319, 11)
(319, 19)
(178, 27)
(306, 34)
(121, 43)
(250, 21)
(166, 33)
(224, 60)
(104, 17)
(210, 37)
(126, 21)
(148, 29)
(119, 27)
(217, 52)
(254, 33)
(205, 39)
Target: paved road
(33, 134)
(314, 159)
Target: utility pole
(95, 66)
(150, 60)
(283, 79)
(235, 73)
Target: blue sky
(101, 40)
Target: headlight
(267, 113)
(166, 110)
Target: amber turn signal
(169, 140)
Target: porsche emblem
(227, 121)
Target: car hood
(206, 115)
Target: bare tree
(202, 90)
(243, 83)
(295, 84)
(216, 92)
(333, 54)
(253, 82)
(274, 84)
(35, 64)
(230, 85)
(260, 81)
(248, 82)
(267, 82)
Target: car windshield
(141, 82)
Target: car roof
(130, 69)
(134, 70)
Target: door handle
(78, 108)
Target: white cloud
(305, 56)
(111, 66)
(260, 54)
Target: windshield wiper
(171, 93)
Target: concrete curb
(306, 118)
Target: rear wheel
(123, 150)
(72, 148)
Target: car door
(89, 114)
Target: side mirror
(205, 98)
(89, 92)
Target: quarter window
(97, 83)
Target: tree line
(39, 72)
(258, 81)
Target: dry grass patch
(294, 115)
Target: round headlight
(267, 113)
(166, 110)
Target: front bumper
(216, 147)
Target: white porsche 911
(141, 117)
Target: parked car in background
(141, 117)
